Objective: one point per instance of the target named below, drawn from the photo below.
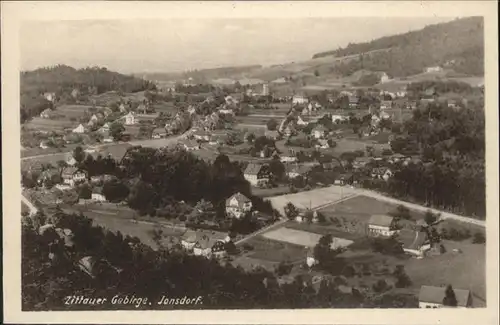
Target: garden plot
(302, 238)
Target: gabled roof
(380, 220)
(240, 198)
(412, 239)
(253, 169)
(436, 295)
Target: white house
(237, 205)
(79, 129)
(433, 69)
(299, 100)
(384, 78)
(339, 118)
(46, 113)
(104, 128)
(310, 259)
(432, 297)
(70, 160)
(44, 145)
(130, 119)
(73, 175)
(381, 225)
(51, 97)
(97, 195)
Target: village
(320, 158)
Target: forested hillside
(67, 82)
(458, 45)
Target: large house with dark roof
(415, 243)
(203, 243)
(256, 174)
(381, 225)
(432, 297)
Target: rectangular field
(362, 207)
(302, 238)
(271, 251)
(314, 198)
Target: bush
(283, 268)
(380, 286)
(479, 238)
(248, 247)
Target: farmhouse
(97, 195)
(257, 174)
(415, 243)
(73, 175)
(319, 131)
(381, 225)
(159, 133)
(204, 243)
(323, 144)
(432, 297)
(237, 205)
(79, 129)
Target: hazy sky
(175, 45)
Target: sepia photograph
(252, 163)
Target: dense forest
(458, 45)
(92, 262)
(69, 84)
(451, 175)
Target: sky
(135, 46)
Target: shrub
(248, 247)
(380, 286)
(479, 238)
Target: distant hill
(68, 84)
(203, 75)
(458, 45)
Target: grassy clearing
(466, 270)
(312, 199)
(361, 208)
(301, 237)
(266, 192)
(274, 251)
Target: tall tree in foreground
(449, 298)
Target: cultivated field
(302, 238)
(274, 251)
(48, 125)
